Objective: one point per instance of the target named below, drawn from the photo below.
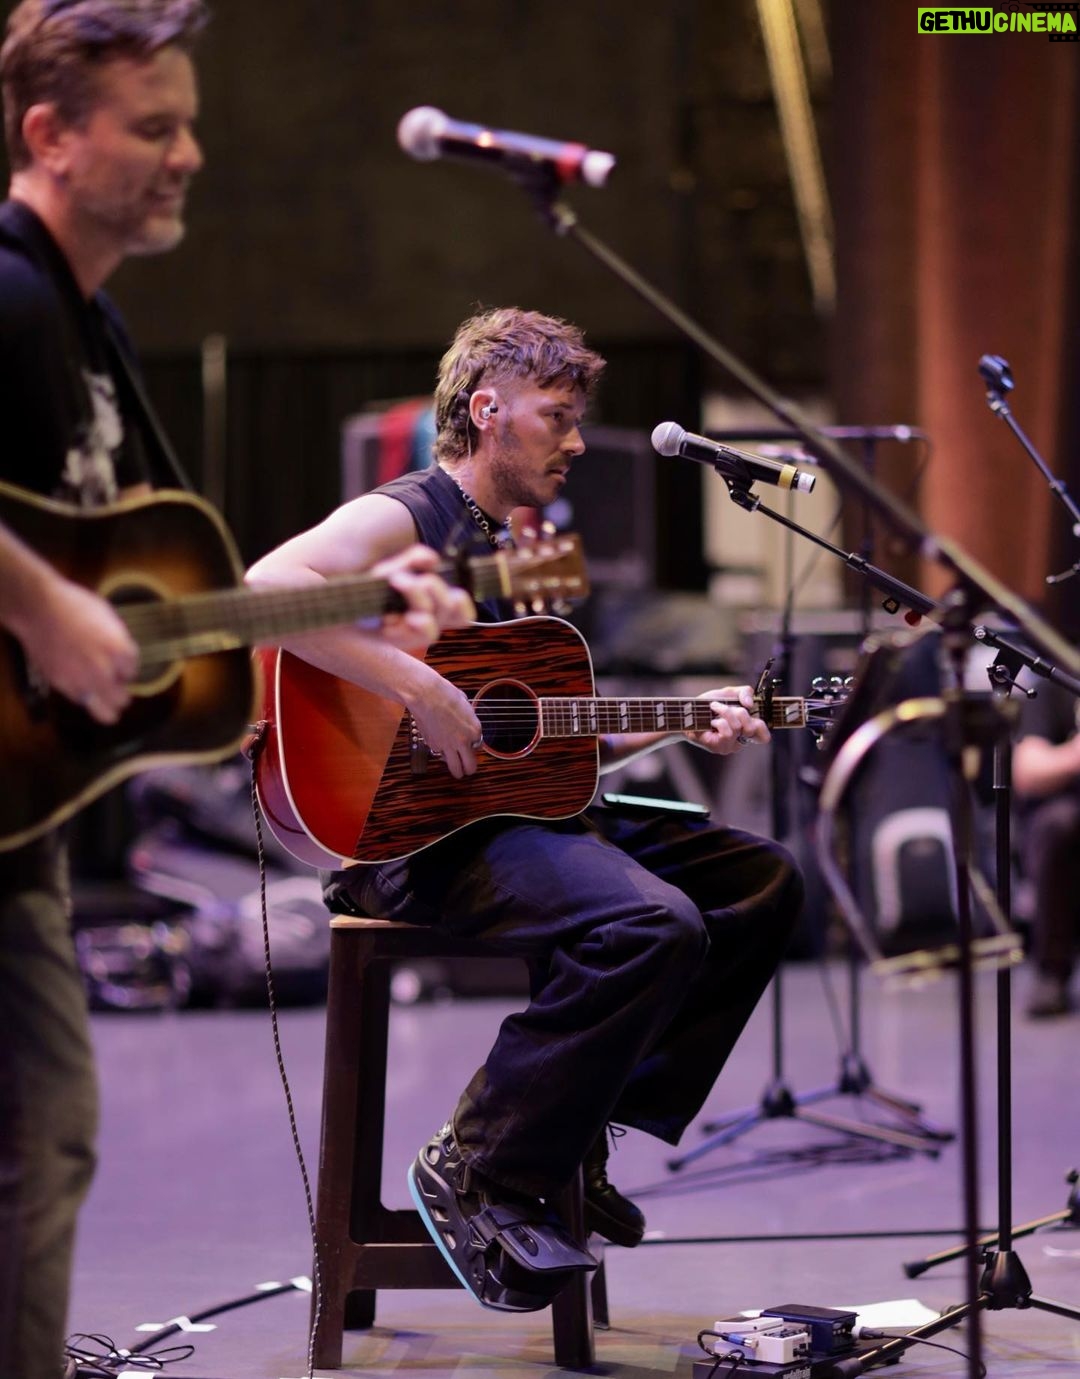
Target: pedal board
(795, 1340)
(813, 1366)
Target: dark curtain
(955, 177)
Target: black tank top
(442, 520)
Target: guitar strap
(166, 470)
(129, 382)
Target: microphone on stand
(996, 373)
(669, 438)
(426, 133)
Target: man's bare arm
(360, 536)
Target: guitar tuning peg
(561, 608)
(539, 604)
(519, 608)
(548, 528)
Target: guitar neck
(597, 717)
(198, 624)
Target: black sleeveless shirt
(442, 520)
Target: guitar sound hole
(509, 715)
(151, 675)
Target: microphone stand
(778, 1101)
(541, 184)
(1004, 1276)
(975, 585)
(997, 376)
(1005, 1281)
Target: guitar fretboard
(595, 717)
(222, 620)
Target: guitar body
(56, 758)
(341, 779)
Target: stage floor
(199, 1202)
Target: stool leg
(329, 1336)
(571, 1312)
(598, 1293)
(349, 1159)
(366, 1209)
(360, 1310)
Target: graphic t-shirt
(64, 431)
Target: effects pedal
(795, 1340)
(831, 1332)
(761, 1345)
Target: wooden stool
(363, 1246)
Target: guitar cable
(251, 749)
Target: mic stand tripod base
(779, 1102)
(1004, 1284)
(1068, 1216)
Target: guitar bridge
(420, 753)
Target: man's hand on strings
(734, 725)
(433, 605)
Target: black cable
(107, 1359)
(736, 1356)
(176, 1328)
(922, 1340)
(787, 1237)
(316, 1272)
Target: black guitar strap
(162, 456)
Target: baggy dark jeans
(48, 1109)
(649, 941)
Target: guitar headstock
(545, 574)
(816, 712)
(830, 694)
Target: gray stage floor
(199, 1201)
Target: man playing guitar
(650, 938)
(100, 101)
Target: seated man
(1046, 775)
(649, 939)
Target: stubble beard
(510, 484)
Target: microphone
(996, 373)
(669, 438)
(426, 133)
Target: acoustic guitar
(169, 566)
(344, 775)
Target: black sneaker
(607, 1211)
(509, 1250)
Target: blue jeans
(48, 1109)
(649, 942)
